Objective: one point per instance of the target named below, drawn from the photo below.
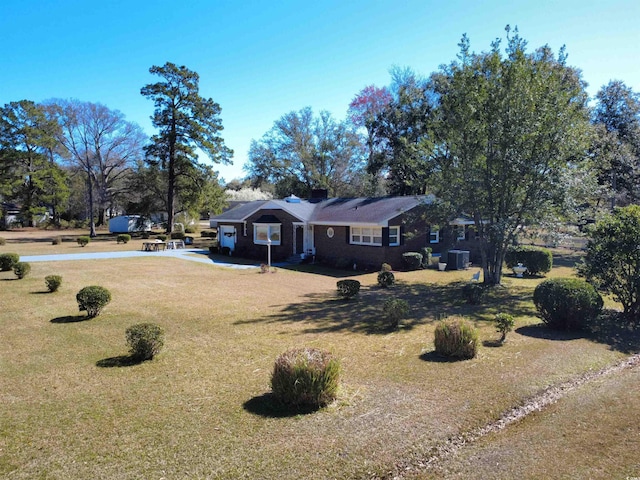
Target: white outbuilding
(129, 223)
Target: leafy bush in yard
(504, 324)
(162, 237)
(21, 269)
(145, 340)
(413, 260)
(93, 299)
(190, 230)
(3, 241)
(612, 262)
(426, 256)
(567, 303)
(177, 235)
(537, 260)
(123, 238)
(56, 241)
(348, 288)
(7, 261)
(83, 241)
(305, 377)
(473, 293)
(53, 282)
(456, 337)
(395, 309)
(386, 279)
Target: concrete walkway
(194, 255)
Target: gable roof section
(365, 211)
(302, 210)
(239, 213)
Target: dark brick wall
(247, 249)
(339, 250)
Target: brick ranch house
(363, 232)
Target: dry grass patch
(200, 409)
(593, 432)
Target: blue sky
(260, 60)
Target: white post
(269, 252)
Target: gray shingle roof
(364, 211)
(334, 211)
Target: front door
(299, 240)
(227, 237)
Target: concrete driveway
(193, 255)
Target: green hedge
(413, 260)
(83, 241)
(93, 299)
(21, 269)
(7, 261)
(53, 282)
(123, 238)
(145, 340)
(567, 303)
(386, 279)
(537, 260)
(395, 309)
(348, 288)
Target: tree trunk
(92, 224)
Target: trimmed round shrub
(567, 303)
(537, 260)
(145, 340)
(56, 241)
(413, 260)
(123, 238)
(53, 282)
(348, 288)
(83, 241)
(386, 279)
(473, 293)
(93, 299)
(162, 237)
(21, 269)
(177, 235)
(3, 241)
(7, 261)
(457, 338)
(395, 309)
(305, 378)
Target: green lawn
(72, 408)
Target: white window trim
(358, 231)
(397, 235)
(270, 226)
(434, 236)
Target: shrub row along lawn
(72, 408)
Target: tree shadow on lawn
(610, 328)
(71, 319)
(266, 405)
(119, 361)
(325, 312)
